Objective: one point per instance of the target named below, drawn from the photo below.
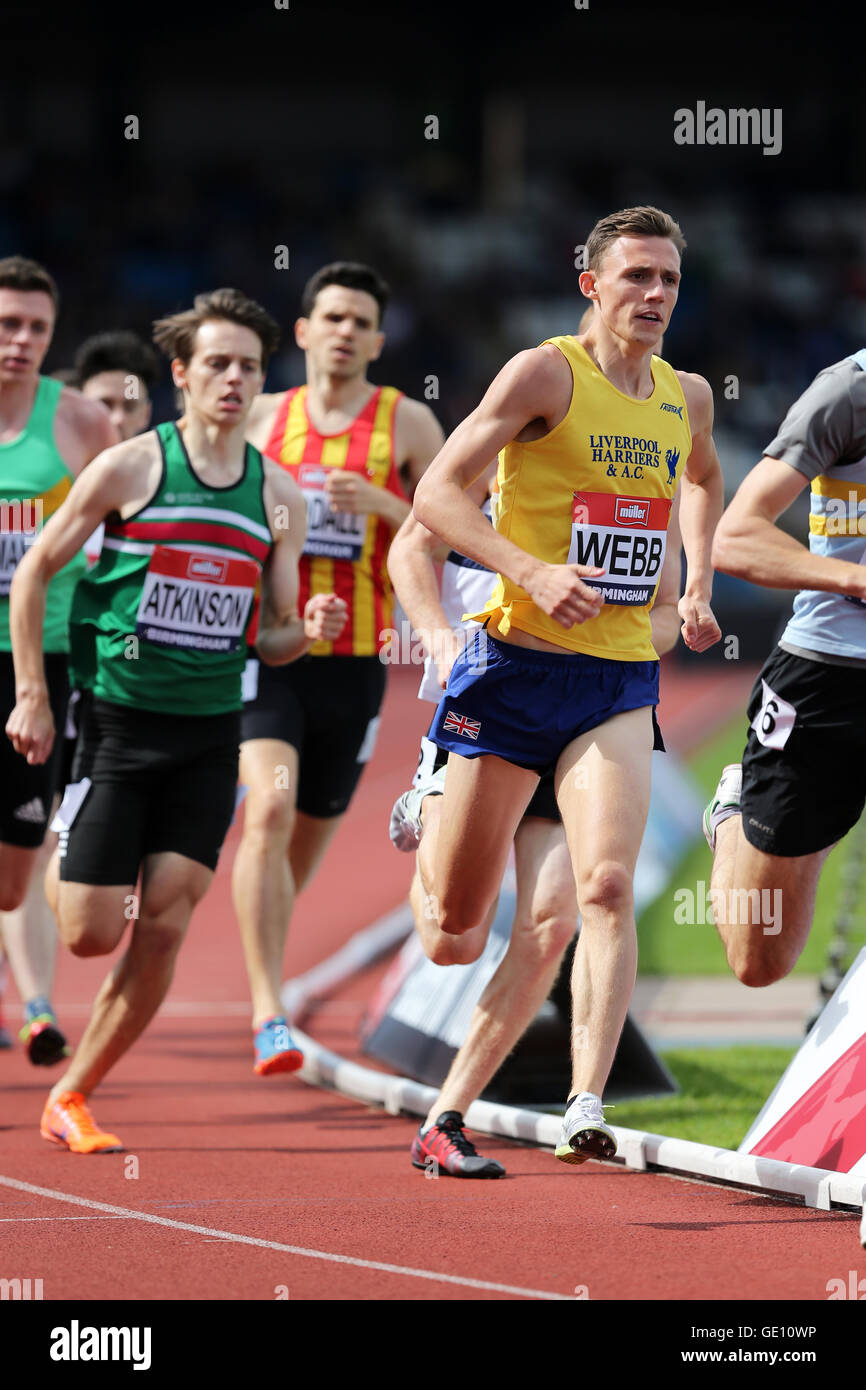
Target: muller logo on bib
(625, 537)
(196, 600)
(632, 511)
(209, 569)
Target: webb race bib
(338, 535)
(196, 600)
(624, 536)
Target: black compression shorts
(327, 708)
(804, 768)
(26, 792)
(159, 782)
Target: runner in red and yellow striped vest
(356, 451)
(345, 552)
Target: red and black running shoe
(444, 1148)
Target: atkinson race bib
(195, 600)
(338, 535)
(624, 536)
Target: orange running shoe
(68, 1121)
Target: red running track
(248, 1188)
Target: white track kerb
(636, 1149)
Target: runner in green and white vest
(198, 526)
(48, 433)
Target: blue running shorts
(526, 706)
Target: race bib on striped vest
(195, 600)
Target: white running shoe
(584, 1132)
(405, 828)
(725, 802)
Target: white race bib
(337, 535)
(624, 536)
(196, 600)
(775, 719)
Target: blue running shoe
(275, 1050)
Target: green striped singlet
(160, 621)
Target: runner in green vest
(47, 435)
(196, 523)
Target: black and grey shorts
(804, 767)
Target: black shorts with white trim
(158, 783)
(27, 790)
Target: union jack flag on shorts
(461, 725)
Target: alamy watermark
(737, 126)
(745, 907)
(402, 646)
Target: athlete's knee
(270, 812)
(455, 919)
(161, 936)
(11, 896)
(87, 938)
(543, 936)
(454, 950)
(755, 969)
(607, 887)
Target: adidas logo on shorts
(32, 811)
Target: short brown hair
(19, 273)
(643, 221)
(176, 334)
(352, 276)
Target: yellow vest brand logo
(674, 409)
(76, 1343)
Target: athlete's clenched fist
(559, 591)
(700, 629)
(325, 617)
(30, 726)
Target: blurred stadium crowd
(476, 229)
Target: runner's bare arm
(417, 438)
(82, 429)
(283, 634)
(750, 545)
(119, 480)
(529, 387)
(414, 550)
(260, 420)
(664, 617)
(703, 496)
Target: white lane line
(236, 1239)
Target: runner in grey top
(802, 782)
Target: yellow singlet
(596, 490)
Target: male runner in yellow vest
(594, 433)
